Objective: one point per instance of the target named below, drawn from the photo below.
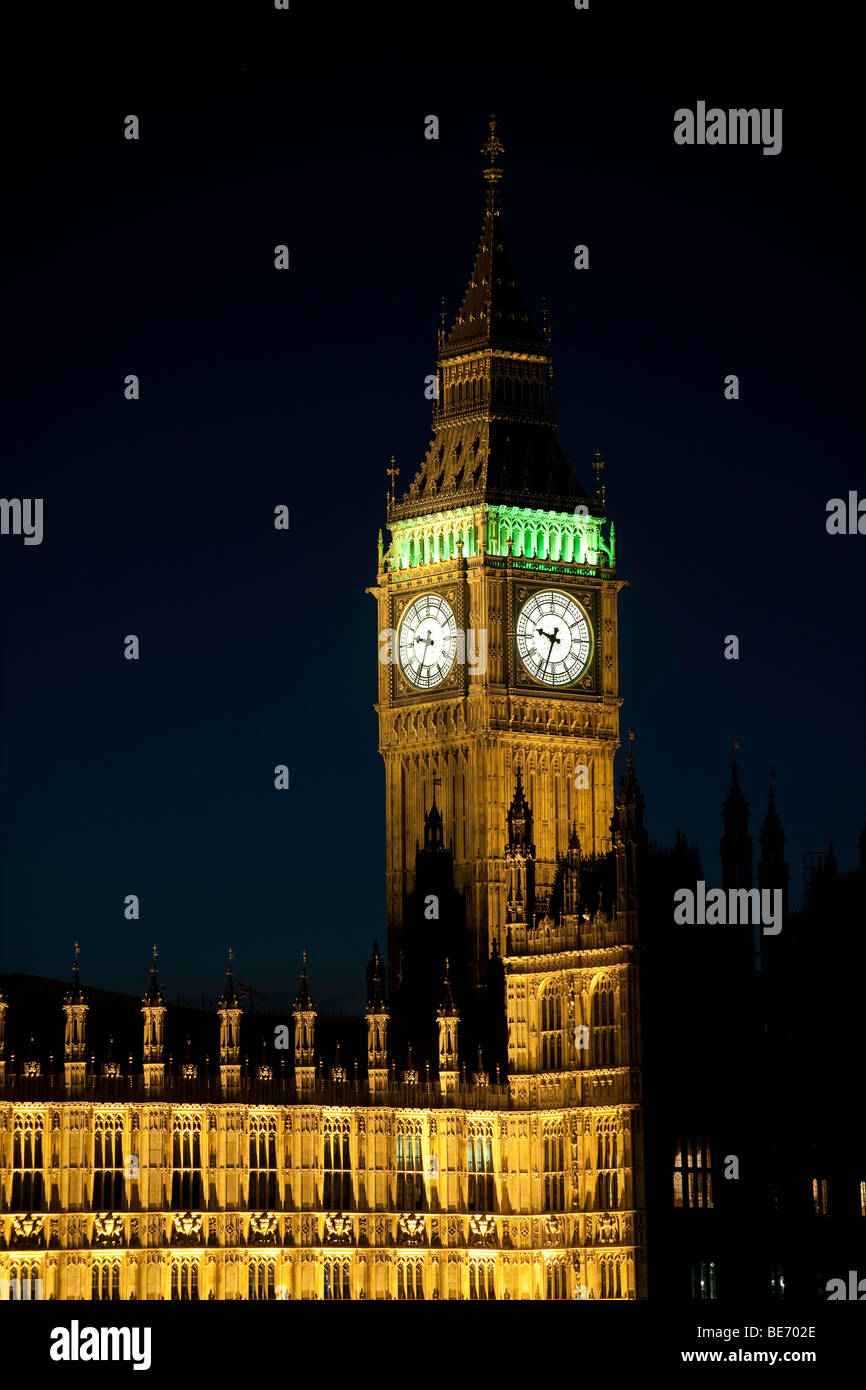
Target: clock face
(554, 637)
(427, 641)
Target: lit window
(704, 1279)
(482, 1285)
(551, 1031)
(556, 1279)
(263, 1164)
(337, 1285)
(821, 1196)
(693, 1178)
(337, 1183)
(554, 1170)
(410, 1168)
(481, 1183)
(603, 1030)
(108, 1163)
(262, 1277)
(186, 1184)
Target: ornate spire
(375, 988)
(447, 1009)
(229, 998)
(519, 817)
(494, 420)
(154, 994)
(492, 174)
(434, 834)
(493, 312)
(303, 1003)
(76, 994)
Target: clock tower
(497, 620)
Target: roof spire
(447, 1008)
(155, 993)
(230, 999)
(492, 147)
(303, 1001)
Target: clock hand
(551, 639)
(428, 642)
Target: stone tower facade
(497, 615)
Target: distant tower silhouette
(773, 870)
(735, 846)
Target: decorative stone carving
(26, 1231)
(107, 1231)
(482, 1230)
(186, 1229)
(338, 1230)
(413, 1229)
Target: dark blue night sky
(259, 647)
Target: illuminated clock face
(427, 641)
(554, 637)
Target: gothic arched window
(603, 1030)
(551, 1029)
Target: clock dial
(554, 637)
(427, 641)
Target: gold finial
(492, 147)
(392, 473)
(545, 318)
(598, 465)
(631, 736)
(304, 958)
(735, 743)
(155, 951)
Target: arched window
(186, 1184)
(693, 1177)
(263, 1164)
(551, 1029)
(481, 1182)
(27, 1178)
(554, 1169)
(603, 1030)
(337, 1181)
(410, 1168)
